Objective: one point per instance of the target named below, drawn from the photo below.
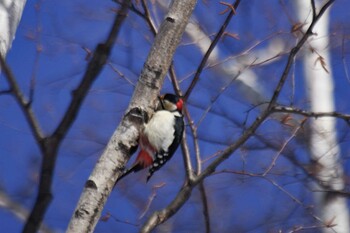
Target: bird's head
(171, 102)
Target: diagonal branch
(184, 144)
(50, 145)
(9, 204)
(93, 69)
(22, 101)
(283, 147)
(186, 190)
(298, 111)
(250, 131)
(210, 49)
(117, 152)
(147, 17)
(294, 52)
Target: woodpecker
(160, 137)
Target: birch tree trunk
(323, 147)
(10, 15)
(124, 139)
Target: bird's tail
(143, 160)
(136, 167)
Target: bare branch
(185, 192)
(293, 110)
(22, 102)
(7, 203)
(151, 198)
(205, 207)
(294, 133)
(283, 190)
(159, 217)
(148, 17)
(50, 145)
(346, 70)
(313, 7)
(184, 142)
(117, 152)
(177, 89)
(229, 7)
(210, 49)
(195, 143)
(213, 100)
(294, 52)
(98, 60)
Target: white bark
(117, 152)
(10, 15)
(324, 148)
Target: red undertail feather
(144, 159)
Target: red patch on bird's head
(179, 104)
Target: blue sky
(62, 31)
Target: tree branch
(184, 144)
(298, 111)
(7, 203)
(159, 217)
(210, 49)
(93, 69)
(22, 101)
(205, 207)
(294, 52)
(112, 161)
(185, 192)
(50, 145)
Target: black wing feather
(163, 156)
(135, 168)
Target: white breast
(160, 129)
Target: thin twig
(93, 69)
(22, 101)
(279, 187)
(294, 52)
(17, 209)
(50, 145)
(205, 207)
(298, 111)
(148, 18)
(313, 7)
(343, 57)
(108, 215)
(210, 49)
(121, 74)
(284, 145)
(222, 90)
(185, 192)
(39, 48)
(6, 92)
(151, 198)
(184, 144)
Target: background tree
(247, 165)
